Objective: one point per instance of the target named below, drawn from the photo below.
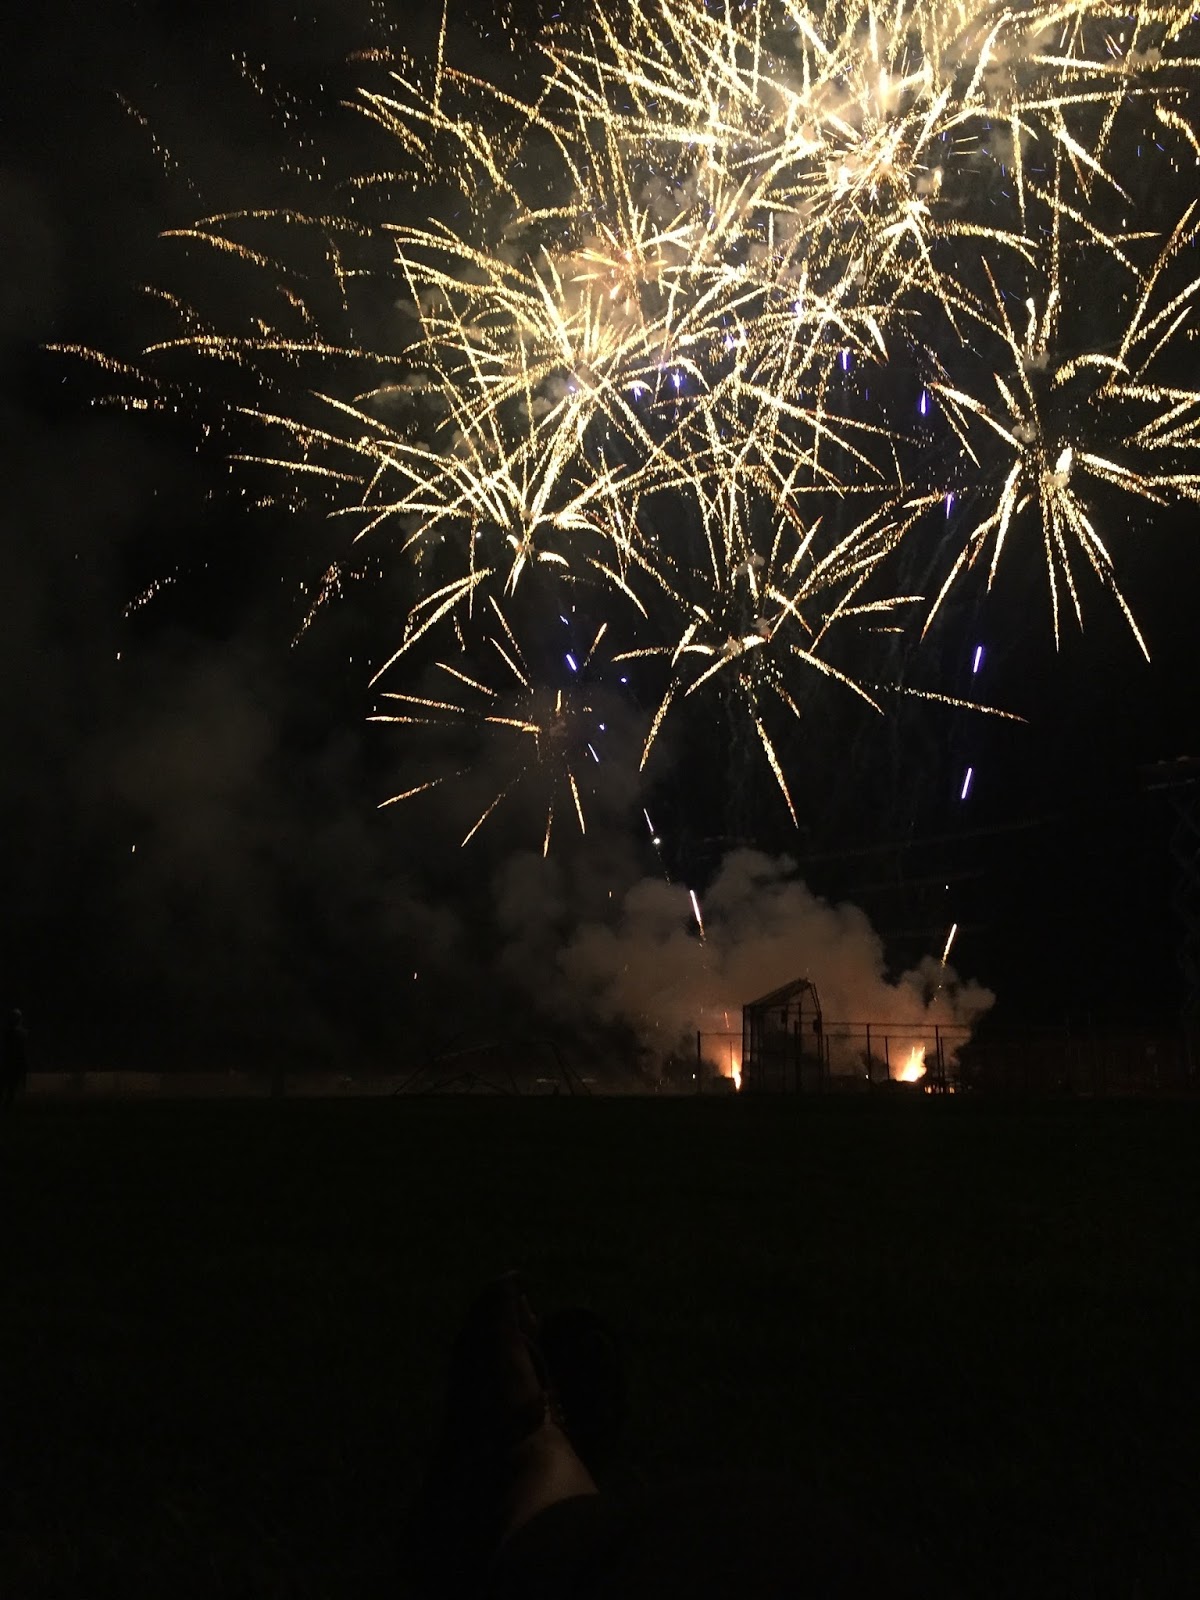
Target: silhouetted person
(15, 1060)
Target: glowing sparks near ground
(745, 314)
(913, 1068)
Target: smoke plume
(646, 966)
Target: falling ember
(913, 1069)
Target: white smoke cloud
(646, 966)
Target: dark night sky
(189, 845)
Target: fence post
(699, 1065)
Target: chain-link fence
(940, 1058)
(839, 1058)
(832, 1056)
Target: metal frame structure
(530, 1067)
(783, 1048)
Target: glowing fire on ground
(913, 1068)
(735, 1057)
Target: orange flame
(914, 1068)
(735, 1059)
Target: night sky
(191, 855)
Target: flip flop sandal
(499, 1392)
(500, 1387)
(587, 1380)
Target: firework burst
(726, 307)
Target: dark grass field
(223, 1326)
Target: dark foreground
(222, 1326)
